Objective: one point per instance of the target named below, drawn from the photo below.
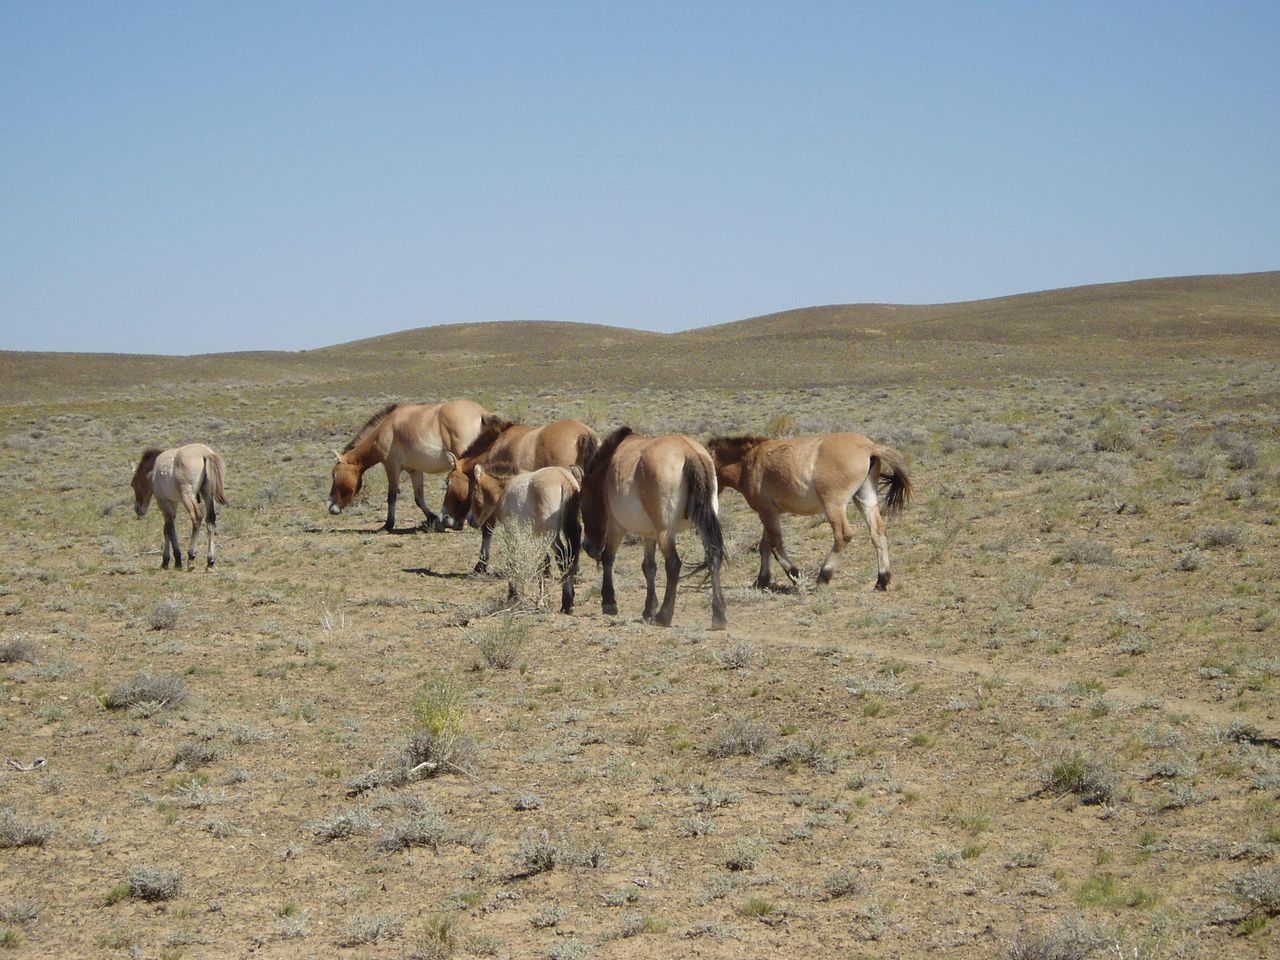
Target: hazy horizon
(183, 180)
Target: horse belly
(425, 456)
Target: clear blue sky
(193, 177)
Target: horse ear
(477, 471)
(336, 455)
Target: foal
(547, 500)
(811, 475)
(186, 476)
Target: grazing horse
(512, 448)
(547, 500)
(653, 487)
(187, 476)
(417, 437)
(812, 475)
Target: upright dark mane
(369, 424)
(492, 426)
(733, 449)
(608, 447)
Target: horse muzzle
(449, 523)
(592, 550)
(334, 508)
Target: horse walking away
(511, 448)
(417, 437)
(654, 487)
(547, 500)
(812, 475)
(191, 477)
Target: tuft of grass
(1088, 553)
(1073, 940)
(500, 642)
(20, 911)
(17, 832)
(340, 826)
(154, 884)
(1221, 535)
(165, 691)
(164, 615)
(373, 928)
(1089, 779)
(19, 649)
(423, 828)
(1259, 890)
(739, 737)
(842, 883)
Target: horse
(547, 500)
(812, 475)
(188, 476)
(653, 487)
(511, 448)
(417, 437)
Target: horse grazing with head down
(812, 475)
(547, 500)
(417, 437)
(509, 447)
(190, 477)
(653, 487)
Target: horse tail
(588, 444)
(213, 474)
(895, 484)
(703, 508)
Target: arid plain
(1057, 735)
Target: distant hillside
(1116, 329)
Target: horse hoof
(609, 609)
(164, 564)
(762, 583)
(480, 567)
(882, 582)
(210, 563)
(824, 576)
(720, 624)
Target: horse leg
(433, 520)
(609, 599)
(867, 503)
(393, 494)
(841, 531)
(196, 512)
(650, 568)
(486, 538)
(772, 522)
(765, 576)
(171, 540)
(210, 525)
(667, 542)
(571, 528)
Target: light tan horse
(653, 487)
(547, 500)
(512, 448)
(417, 437)
(812, 475)
(190, 477)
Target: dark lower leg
(650, 568)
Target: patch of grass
(19, 649)
(1073, 940)
(154, 884)
(163, 690)
(739, 737)
(18, 832)
(1090, 779)
(372, 928)
(164, 615)
(500, 642)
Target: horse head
(142, 481)
(486, 492)
(457, 493)
(347, 480)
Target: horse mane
(369, 424)
(148, 456)
(608, 447)
(733, 449)
(492, 426)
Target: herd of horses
(581, 492)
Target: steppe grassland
(1053, 725)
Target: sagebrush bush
(739, 737)
(19, 649)
(154, 883)
(165, 690)
(1074, 940)
(17, 832)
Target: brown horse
(511, 448)
(811, 475)
(188, 477)
(653, 487)
(417, 437)
(546, 500)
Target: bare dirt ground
(1061, 722)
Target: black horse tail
(588, 444)
(895, 485)
(700, 482)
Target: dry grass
(846, 772)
